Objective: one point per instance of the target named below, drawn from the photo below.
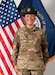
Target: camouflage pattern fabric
(30, 49)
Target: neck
(30, 26)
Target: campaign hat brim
(28, 10)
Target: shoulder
(20, 31)
(40, 31)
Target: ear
(24, 18)
(35, 17)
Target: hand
(44, 68)
(15, 67)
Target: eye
(27, 16)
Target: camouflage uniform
(30, 51)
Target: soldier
(30, 47)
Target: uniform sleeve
(15, 51)
(44, 45)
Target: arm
(44, 45)
(15, 51)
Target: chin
(30, 24)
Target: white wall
(50, 8)
(50, 68)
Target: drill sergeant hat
(28, 10)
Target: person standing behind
(30, 46)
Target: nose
(30, 16)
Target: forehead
(29, 15)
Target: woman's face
(29, 19)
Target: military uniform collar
(31, 29)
